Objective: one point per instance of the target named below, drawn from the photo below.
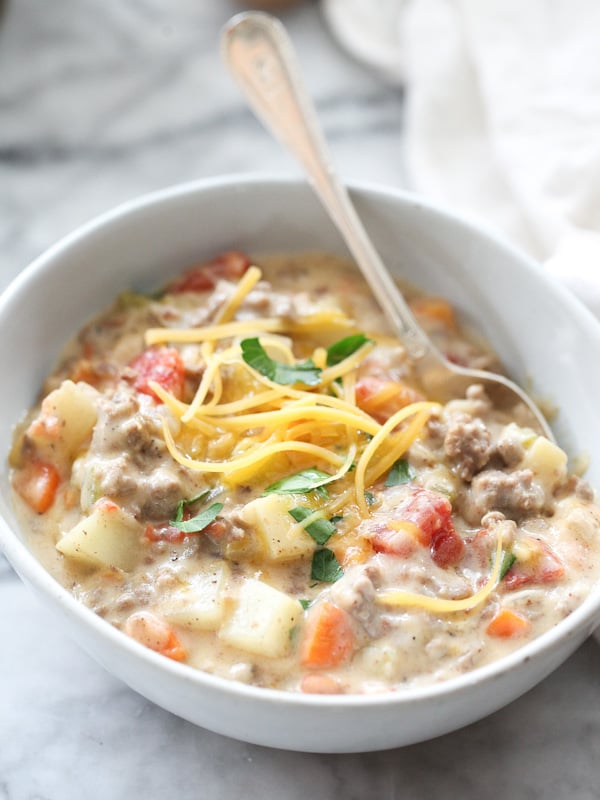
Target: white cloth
(503, 114)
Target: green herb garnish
(183, 503)
(256, 357)
(300, 483)
(508, 559)
(200, 521)
(401, 472)
(341, 350)
(325, 567)
(370, 498)
(321, 530)
(305, 603)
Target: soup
(243, 474)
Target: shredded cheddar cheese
(439, 605)
(263, 419)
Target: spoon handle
(260, 55)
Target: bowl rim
(35, 575)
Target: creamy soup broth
(243, 474)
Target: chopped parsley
(325, 567)
(341, 350)
(256, 357)
(300, 482)
(200, 521)
(508, 559)
(321, 530)
(183, 503)
(401, 472)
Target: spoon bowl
(260, 55)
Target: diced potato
(547, 462)
(512, 432)
(262, 620)
(440, 479)
(109, 537)
(68, 417)
(381, 659)
(526, 549)
(281, 538)
(199, 603)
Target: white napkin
(502, 116)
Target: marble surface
(98, 103)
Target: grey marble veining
(99, 102)
(124, 98)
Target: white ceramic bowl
(543, 335)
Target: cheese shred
(263, 421)
(440, 605)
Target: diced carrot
(317, 683)
(507, 623)
(153, 632)
(37, 483)
(230, 265)
(435, 308)
(47, 426)
(381, 398)
(328, 638)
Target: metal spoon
(260, 55)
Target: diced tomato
(328, 637)
(507, 623)
(446, 546)
(431, 515)
(381, 398)
(429, 511)
(162, 365)
(230, 265)
(544, 566)
(397, 537)
(37, 483)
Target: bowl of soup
(222, 473)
